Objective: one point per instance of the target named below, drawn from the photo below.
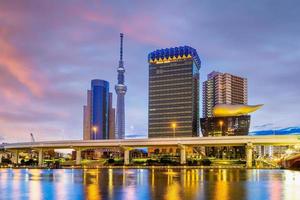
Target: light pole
(221, 125)
(174, 128)
(94, 132)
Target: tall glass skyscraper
(100, 99)
(174, 92)
(98, 113)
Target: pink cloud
(144, 28)
(21, 69)
(48, 54)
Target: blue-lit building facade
(98, 116)
(174, 92)
(100, 100)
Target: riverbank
(141, 167)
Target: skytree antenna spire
(121, 91)
(121, 48)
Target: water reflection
(290, 190)
(168, 184)
(35, 191)
(91, 184)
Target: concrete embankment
(146, 167)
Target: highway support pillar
(249, 155)
(41, 158)
(15, 157)
(182, 155)
(127, 156)
(78, 157)
(126, 151)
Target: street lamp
(94, 131)
(174, 128)
(221, 125)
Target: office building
(174, 92)
(111, 117)
(98, 113)
(225, 112)
(225, 126)
(223, 88)
(87, 118)
(228, 120)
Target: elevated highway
(127, 144)
(274, 140)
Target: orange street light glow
(221, 123)
(174, 125)
(95, 128)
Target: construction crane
(32, 137)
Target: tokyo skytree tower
(121, 91)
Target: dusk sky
(50, 51)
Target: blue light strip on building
(172, 54)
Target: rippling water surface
(144, 184)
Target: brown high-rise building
(87, 118)
(111, 118)
(223, 88)
(174, 92)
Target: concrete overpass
(248, 141)
(291, 161)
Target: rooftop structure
(225, 110)
(173, 55)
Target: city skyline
(47, 62)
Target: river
(144, 184)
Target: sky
(51, 49)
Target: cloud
(263, 126)
(19, 69)
(30, 116)
(135, 136)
